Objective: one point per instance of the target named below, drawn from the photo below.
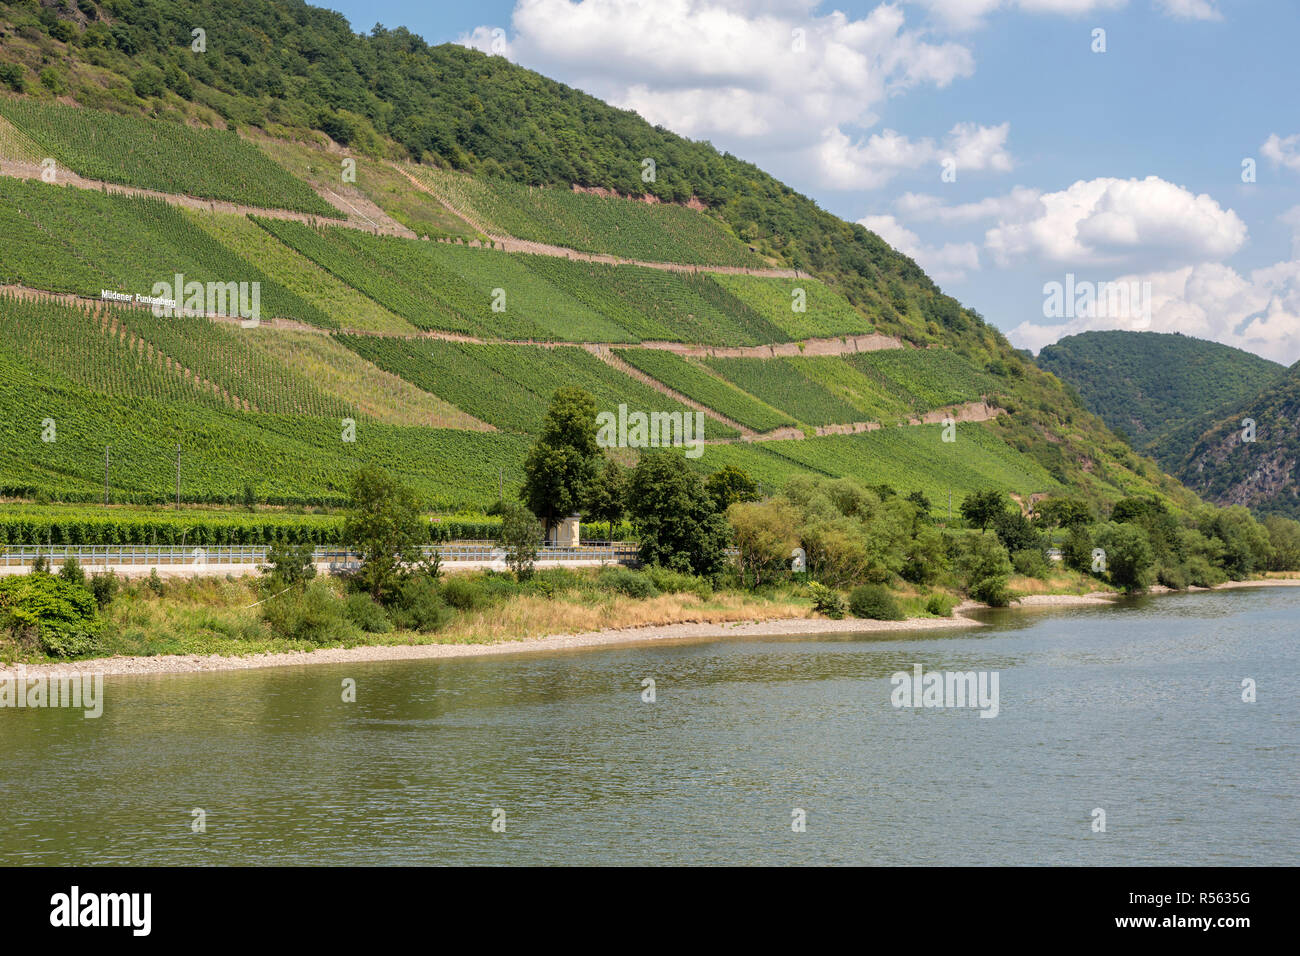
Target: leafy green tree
(765, 535)
(1284, 536)
(984, 567)
(562, 463)
(1015, 532)
(289, 564)
(1076, 551)
(383, 525)
(729, 485)
(1130, 559)
(1063, 512)
(606, 496)
(980, 508)
(521, 536)
(678, 524)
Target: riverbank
(731, 623)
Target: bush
(678, 582)
(992, 591)
(876, 602)
(1031, 562)
(313, 613)
(362, 611)
(11, 75)
(154, 582)
(419, 605)
(72, 573)
(104, 588)
(826, 600)
(940, 605)
(464, 593)
(57, 615)
(625, 581)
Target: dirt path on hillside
(372, 220)
(511, 244)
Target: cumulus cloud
(1019, 205)
(841, 164)
(759, 76)
(1115, 221)
(947, 263)
(1283, 151)
(969, 14)
(487, 39)
(1191, 9)
(1258, 311)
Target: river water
(1135, 710)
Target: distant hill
(1210, 455)
(1149, 385)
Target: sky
(1057, 165)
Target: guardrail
(127, 555)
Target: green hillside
(1146, 385)
(1211, 453)
(277, 123)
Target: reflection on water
(1135, 709)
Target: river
(1135, 710)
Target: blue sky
(1123, 166)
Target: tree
(562, 462)
(1130, 559)
(606, 496)
(521, 536)
(289, 564)
(729, 485)
(385, 528)
(765, 534)
(984, 567)
(675, 518)
(1015, 532)
(250, 497)
(1063, 513)
(979, 508)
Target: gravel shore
(637, 635)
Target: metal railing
(147, 555)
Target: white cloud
(762, 77)
(1259, 311)
(947, 263)
(1191, 9)
(1283, 151)
(841, 164)
(487, 39)
(1116, 221)
(1020, 204)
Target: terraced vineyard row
(510, 385)
(286, 459)
(779, 383)
(74, 240)
(159, 155)
(905, 458)
(589, 223)
(701, 385)
(925, 378)
(801, 308)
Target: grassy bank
(229, 616)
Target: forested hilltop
(1147, 385)
(290, 70)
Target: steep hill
(1147, 385)
(1213, 455)
(470, 150)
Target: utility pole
(178, 477)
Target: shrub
(826, 600)
(1031, 562)
(992, 591)
(876, 602)
(464, 593)
(104, 588)
(154, 582)
(362, 611)
(625, 581)
(313, 613)
(419, 606)
(72, 573)
(59, 615)
(940, 605)
(677, 582)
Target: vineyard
(781, 384)
(510, 386)
(588, 223)
(95, 525)
(285, 459)
(917, 459)
(300, 275)
(159, 155)
(700, 385)
(73, 240)
(925, 378)
(825, 313)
